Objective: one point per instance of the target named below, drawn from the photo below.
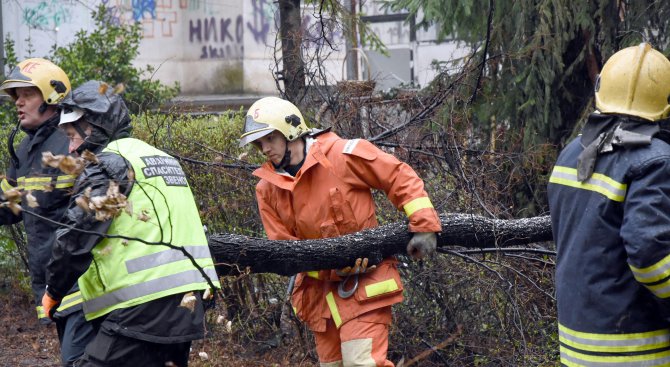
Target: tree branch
(291, 257)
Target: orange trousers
(362, 341)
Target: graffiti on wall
(46, 15)
(222, 38)
(259, 26)
(321, 33)
(142, 8)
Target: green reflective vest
(126, 273)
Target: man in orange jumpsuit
(317, 185)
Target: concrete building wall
(215, 46)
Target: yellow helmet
(43, 74)
(635, 81)
(269, 114)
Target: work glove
(49, 305)
(422, 244)
(360, 267)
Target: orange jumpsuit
(331, 196)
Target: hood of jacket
(104, 110)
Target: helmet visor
(250, 138)
(11, 84)
(254, 130)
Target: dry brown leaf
(13, 194)
(119, 88)
(144, 215)
(14, 207)
(106, 250)
(72, 165)
(188, 301)
(108, 206)
(129, 208)
(83, 202)
(89, 156)
(50, 160)
(31, 199)
(103, 88)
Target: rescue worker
(609, 196)
(139, 289)
(318, 185)
(36, 86)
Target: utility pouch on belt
(381, 283)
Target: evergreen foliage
(542, 56)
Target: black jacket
(612, 234)
(50, 187)
(158, 321)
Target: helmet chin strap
(286, 160)
(43, 108)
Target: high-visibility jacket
(50, 187)
(127, 272)
(612, 235)
(330, 196)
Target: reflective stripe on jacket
(330, 196)
(612, 234)
(126, 273)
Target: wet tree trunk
(258, 255)
(290, 31)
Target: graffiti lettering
(210, 29)
(206, 30)
(46, 15)
(315, 32)
(260, 26)
(141, 7)
(225, 52)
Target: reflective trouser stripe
(40, 312)
(153, 286)
(597, 182)
(382, 287)
(166, 257)
(5, 186)
(330, 299)
(417, 204)
(572, 358)
(68, 301)
(614, 343)
(331, 364)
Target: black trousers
(109, 349)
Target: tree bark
(290, 30)
(257, 255)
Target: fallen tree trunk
(259, 255)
